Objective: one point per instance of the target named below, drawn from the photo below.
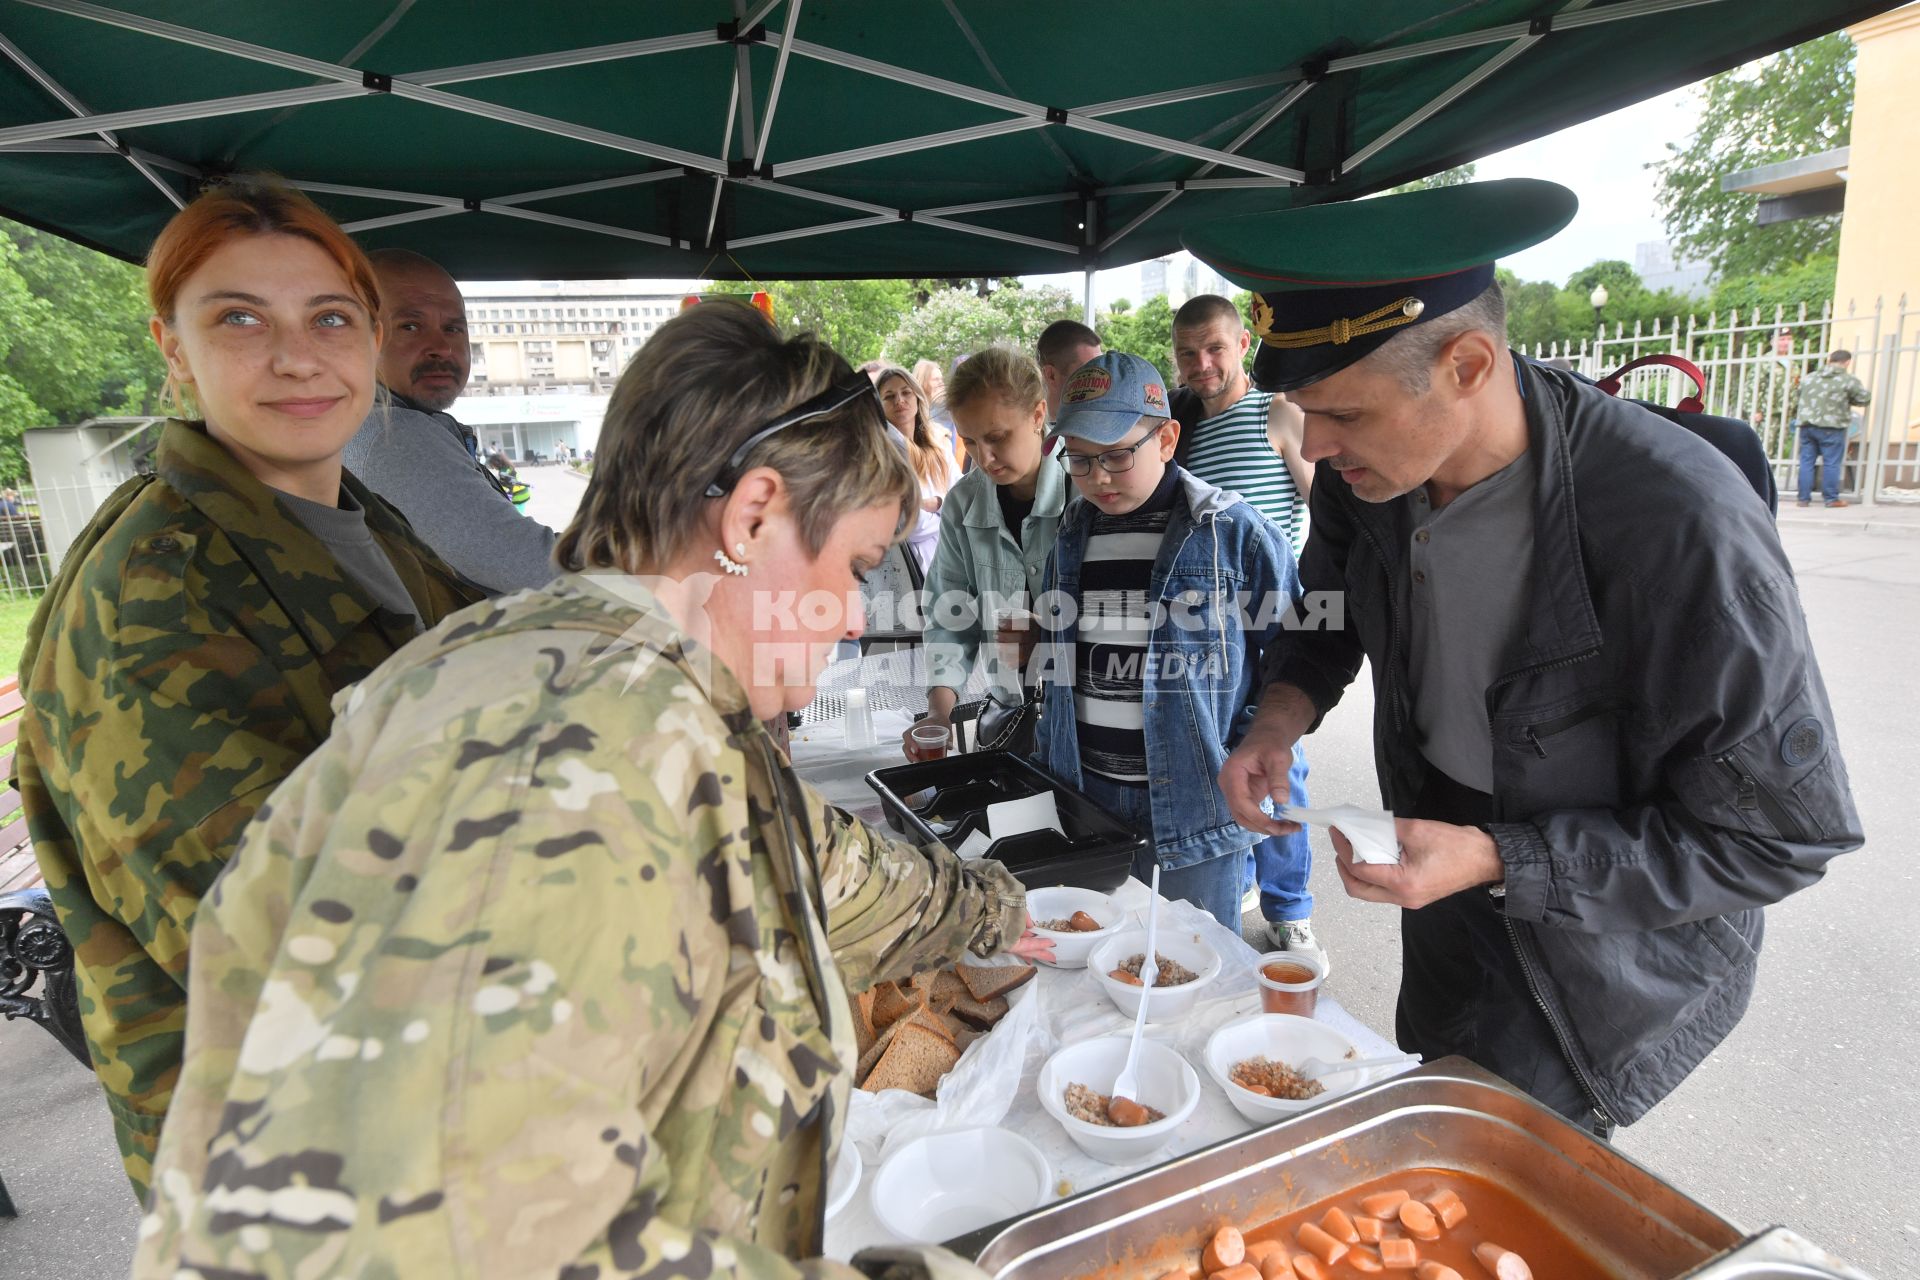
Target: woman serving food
(539, 966)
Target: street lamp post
(1599, 300)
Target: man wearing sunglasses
(1149, 658)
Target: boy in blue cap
(1597, 714)
(1163, 593)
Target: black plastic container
(1096, 852)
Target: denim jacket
(1225, 580)
(978, 561)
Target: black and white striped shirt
(1232, 451)
(1115, 630)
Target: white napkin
(1028, 813)
(1370, 831)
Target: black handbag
(1004, 726)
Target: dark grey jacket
(1665, 762)
(419, 462)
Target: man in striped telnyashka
(1248, 442)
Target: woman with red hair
(187, 657)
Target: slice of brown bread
(931, 1020)
(890, 1004)
(864, 1032)
(947, 988)
(872, 1054)
(983, 1014)
(915, 1061)
(954, 1027)
(986, 982)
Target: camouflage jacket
(183, 662)
(1827, 396)
(539, 967)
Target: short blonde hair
(705, 382)
(1001, 370)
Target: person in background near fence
(1598, 718)
(10, 502)
(542, 965)
(187, 656)
(907, 412)
(422, 459)
(1064, 346)
(1824, 416)
(1162, 595)
(1247, 442)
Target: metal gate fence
(1754, 360)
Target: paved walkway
(1900, 519)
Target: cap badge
(1088, 384)
(1342, 330)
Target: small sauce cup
(1289, 982)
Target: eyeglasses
(832, 400)
(1113, 461)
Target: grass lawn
(15, 613)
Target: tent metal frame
(337, 82)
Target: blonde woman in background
(909, 413)
(934, 386)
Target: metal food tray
(1447, 1115)
(1777, 1254)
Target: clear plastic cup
(928, 742)
(1289, 982)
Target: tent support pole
(79, 108)
(1086, 304)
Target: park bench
(36, 960)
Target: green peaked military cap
(1332, 283)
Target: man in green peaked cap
(1598, 719)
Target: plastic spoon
(1315, 1068)
(1127, 1086)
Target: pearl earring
(735, 567)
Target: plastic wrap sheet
(994, 1082)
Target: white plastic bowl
(844, 1180)
(1071, 948)
(1163, 1003)
(1281, 1037)
(947, 1184)
(1167, 1084)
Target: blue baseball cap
(1106, 397)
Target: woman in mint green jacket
(997, 525)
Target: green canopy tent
(810, 138)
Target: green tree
(1796, 103)
(1533, 311)
(1809, 284)
(958, 321)
(1616, 275)
(854, 317)
(1458, 176)
(1145, 331)
(73, 339)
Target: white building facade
(558, 337)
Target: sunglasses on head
(832, 400)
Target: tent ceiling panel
(597, 139)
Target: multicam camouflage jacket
(539, 967)
(179, 667)
(1827, 396)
